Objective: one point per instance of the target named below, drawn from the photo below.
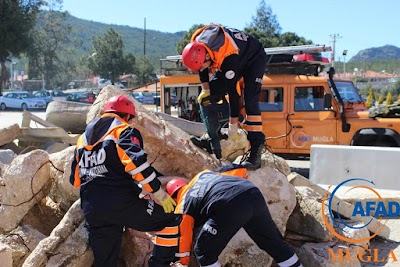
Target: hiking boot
(203, 143)
(254, 161)
(217, 152)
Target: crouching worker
(111, 169)
(224, 203)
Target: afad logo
(364, 254)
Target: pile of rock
(42, 223)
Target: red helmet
(174, 185)
(120, 103)
(193, 55)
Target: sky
(357, 24)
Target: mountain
(377, 53)
(158, 44)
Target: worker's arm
(134, 158)
(186, 239)
(230, 70)
(205, 85)
(74, 178)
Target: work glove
(165, 200)
(233, 133)
(203, 94)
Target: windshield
(348, 92)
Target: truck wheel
(382, 144)
(3, 106)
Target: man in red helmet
(111, 169)
(236, 54)
(223, 203)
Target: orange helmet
(174, 185)
(193, 55)
(120, 103)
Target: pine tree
(380, 99)
(368, 103)
(389, 99)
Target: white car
(21, 100)
(103, 83)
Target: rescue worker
(223, 202)
(214, 111)
(111, 169)
(236, 54)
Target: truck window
(271, 99)
(309, 98)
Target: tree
(145, 71)
(380, 99)
(265, 27)
(49, 56)
(107, 59)
(389, 99)
(265, 20)
(17, 19)
(186, 38)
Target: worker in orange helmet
(223, 202)
(111, 169)
(236, 54)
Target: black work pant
(253, 76)
(247, 210)
(106, 229)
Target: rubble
(39, 179)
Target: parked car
(103, 83)
(81, 97)
(148, 98)
(21, 100)
(51, 95)
(138, 96)
(173, 100)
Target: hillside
(158, 44)
(387, 52)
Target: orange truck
(300, 106)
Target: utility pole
(334, 36)
(144, 41)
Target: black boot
(254, 161)
(203, 143)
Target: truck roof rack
(301, 59)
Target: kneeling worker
(224, 203)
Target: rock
(317, 255)
(278, 193)
(6, 255)
(306, 218)
(271, 160)
(231, 149)
(62, 192)
(67, 243)
(21, 241)
(6, 156)
(8, 134)
(26, 181)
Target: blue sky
(359, 24)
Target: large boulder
(25, 182)
(63, 192)
(8, 134)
